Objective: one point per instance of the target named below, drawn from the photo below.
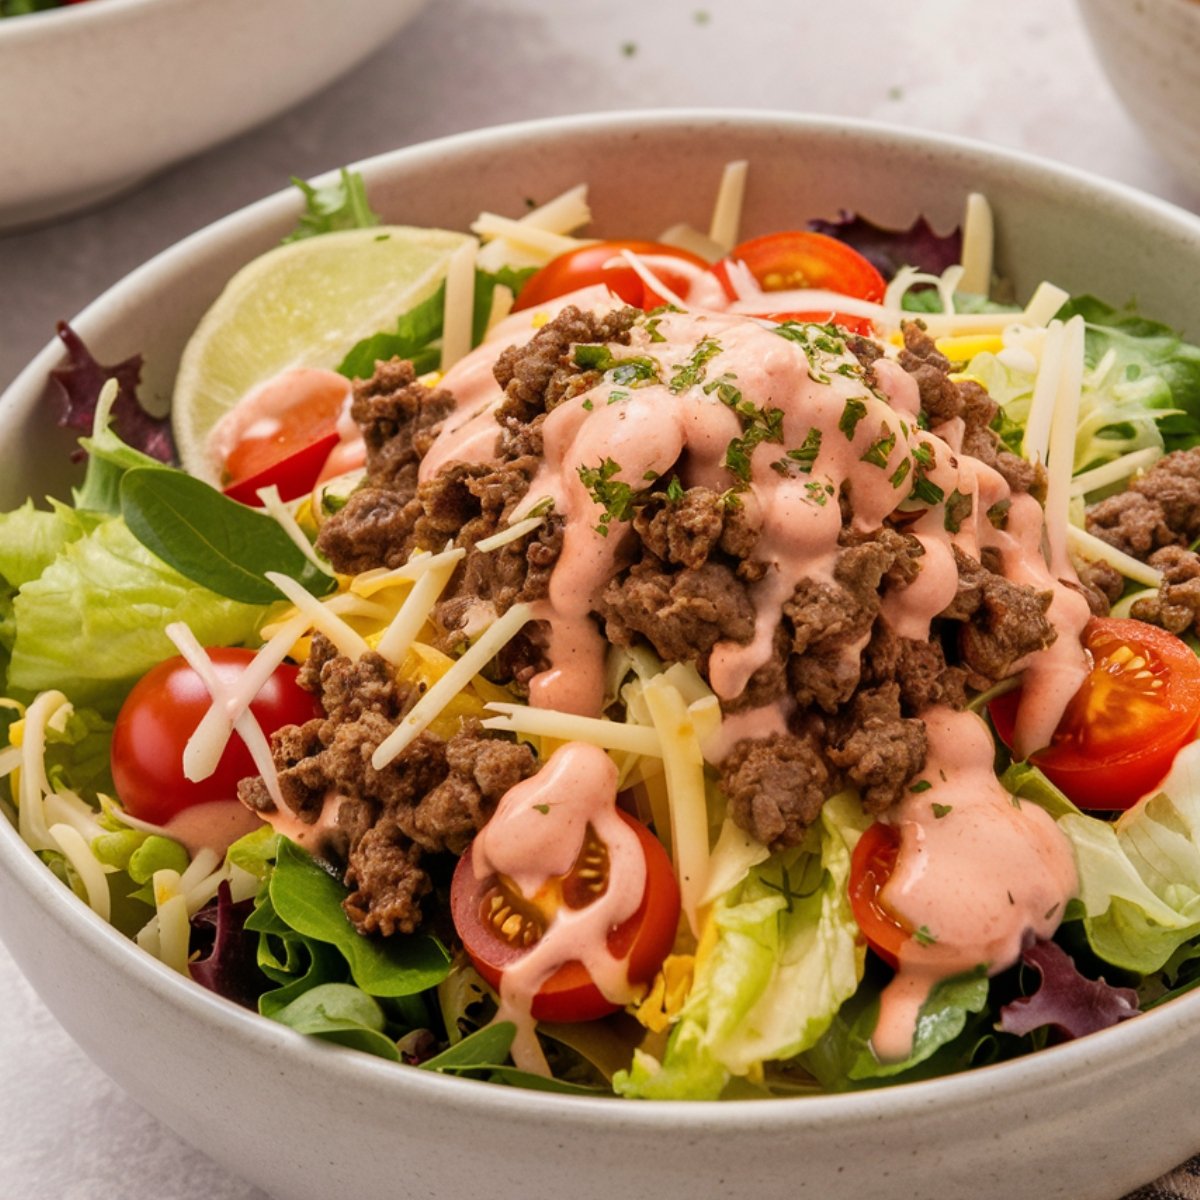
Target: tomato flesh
(289, 446)
(1138, 706)
(569, 994)
(802, 259)
(601, 262)
(871, 866)
(161, 713)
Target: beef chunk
(536, 376)
(1003, 621)
(940, 400)
(918, 668)
(879, 750)
(776, 786)
(685, 531)
(1173, 483)
(1101, 586)
(1133, 523)
(682, 614)
(397, 416)
(373, 529)
(1176, 607)
(386, 881)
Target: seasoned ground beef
(1101, 584)
(879, 750)
(1162, 508)
(432, 799)
(1176, 606)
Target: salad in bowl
(712, 666)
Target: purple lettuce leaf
(228, 962)
(890, 249)
(1067, 1002)
(81, 381)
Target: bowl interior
(1046, 1123)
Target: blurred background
(1024, 76)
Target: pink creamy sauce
(535, 835)
(956, 875)
(212, 826)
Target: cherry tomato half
(1138, 706)
(871, 866)
(161, 713)
(801, 259)
(569, 994)
(601, 262)
(288, 446)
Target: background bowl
(1151, 51)
(306, 1120)
(96, 96)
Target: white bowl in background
(96, 96)
(306, 1120)
(1150, 50)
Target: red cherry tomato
(801, 259)
(1138, 706)
(601, 262)
(162, 712)
(299, 430)
(871, 866)
(569, 994)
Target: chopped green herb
(854, 412)
(901, 472)
(693, 371)
(817, 493)
(924, 936)
(760, 425)
(880, 451)
(587, 405)
(922, 785)
(650, 476)
(615, 496)
(652, 330)
(674, 490)
(941, 810)
(958, 509)
(629, 49)
(922, 453)
(631, 371)
(729, 395)
(998, 513)
(615, 397)
(542, 808)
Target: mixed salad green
(779, 991)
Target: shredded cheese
(173, 927)
(727, 211)
(320, 617)
(525, 235)
(684, 237)
(31, 816)
(567, 727)
(1036, 441)
(513, 533)
(494, 639)
(977, 246)
(413, 613)
(1061, 449)
(459, 307)
(1113, 472)
(69, 841)
(684, 767)
(370, 582)
(1090, 547)
(275, 507)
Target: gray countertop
(1017, 75)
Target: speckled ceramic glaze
(306, 1120)
(96, 96)
(1151, 51)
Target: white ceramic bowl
(1151, 52)
(96, 96)
(306, 1120)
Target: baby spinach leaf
(212, 540)
(312, 964)
(340, 1013)
(483, 1048)
(309, 901)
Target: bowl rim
(1155, 1030)
(29, 25)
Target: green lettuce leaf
(342, 204)
(92, 623)
(786, 957)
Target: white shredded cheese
(173, 927)
(526, 236)
(69, 841)
(412, 614)
(977, 246)
(498, 635)
(370, 582)
(1061, 449)
(459, 307)
(1090, 547)
(275, 507)
(31, 816)
(1113, 472)
(512, 533)
(1046, 300)
(567, 727)
(320, 617)
(66, 808)
(727, 211)
(225, 699)
(684, 767)
(684, 237)
(1036, 441)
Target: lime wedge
(304, 304)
